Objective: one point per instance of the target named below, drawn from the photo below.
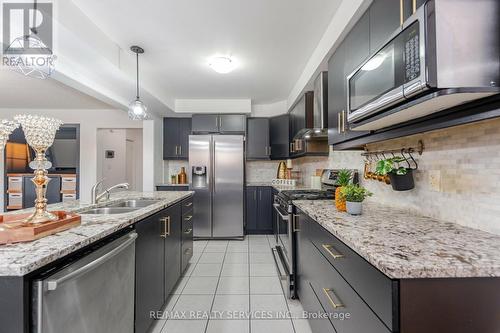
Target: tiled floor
(226, 282)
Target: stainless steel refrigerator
(216, 163)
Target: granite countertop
(22, 258)
(404, 245)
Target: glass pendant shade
(137, 110)
(6, 128)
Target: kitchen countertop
(22, 258)
(404, 245)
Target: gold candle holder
(40, 133)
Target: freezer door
(228, 186)
(200, 166)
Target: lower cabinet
(259, 210)
(172, 187)
(160, 260)
(323, 290)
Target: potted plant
(401, 177)
(354, 196)
(343, 179)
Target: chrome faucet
(97, 197)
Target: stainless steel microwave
(447, 52)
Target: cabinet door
(280, 136)
(184, 132)
(170, 138)
(251, 209)
(172, 224)
(149, 270)
(205, 123)
(232, 123)
(385, 18)
(258, 138)
(265, 210)
(336, 93)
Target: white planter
(354, 208)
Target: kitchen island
(22, 263)
(393, 270)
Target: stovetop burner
(307, 194)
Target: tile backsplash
(173, 167)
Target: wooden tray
(13, 230)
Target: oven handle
(283, 217)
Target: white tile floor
(226, 282)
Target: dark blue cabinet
(176, 133)
(259, 210)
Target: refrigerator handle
(214, 165)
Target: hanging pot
(402, 182)
(354, 208)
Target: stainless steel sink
(109, 210)
(140, 203)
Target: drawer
(68, 183)
(187, 227)
(186, 254)
(187, 206)
(348, 313)
(68, 197)
(15, 200)
(15, 184)
(376, 289)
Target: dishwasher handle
(52, 284)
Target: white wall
(90, 121)
(134, 137)
(111, 170)
(153, 153)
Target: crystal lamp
(6, 127)
(40, 133)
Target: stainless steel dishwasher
(92, 294)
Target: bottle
(182, 178)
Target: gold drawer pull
(166, 226)
(189, 204)
(188, 231)
(295, 223)
(188, 218)
(328, 248)
(187, 251)
(327, 292)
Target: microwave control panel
(412, 53)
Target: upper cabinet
(301, 117)
(258, 146)
(213, 123)
(176, 138)
(280, 136)
(384, 20)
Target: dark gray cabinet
(301, 117)
(53, 194)
(149, 263)
(259, 210)
(176, 133)
(384, 20)
(159, 260)
(349, 55)
(258, 146)
(172, 229)
(187, 233)
(280, 137)
(213, 123)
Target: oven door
(394, 73)
(282, 253)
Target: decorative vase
(402, 182)
(354, 208)
(40, 133)
(182, 178)
(340, 202)
(281, 170)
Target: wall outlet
(435, 180)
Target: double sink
(123, 207)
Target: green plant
(344, 177)
(355, 193)
(391, 165)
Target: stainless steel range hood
(319, 129)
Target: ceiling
(272, 41)
(19, 91)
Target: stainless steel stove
(285, 229)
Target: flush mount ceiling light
(137, 110)
(221, 64)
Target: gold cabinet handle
(343, 121)
(414, 6)
(328, 248)
(339, 117)
(295, 223)
(166, 226)
(188, 231)
(401, 12)
(189, 204)
(187, 251)
(188, 218)
(327, 292)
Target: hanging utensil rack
(405, 150)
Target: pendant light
(137, 110)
